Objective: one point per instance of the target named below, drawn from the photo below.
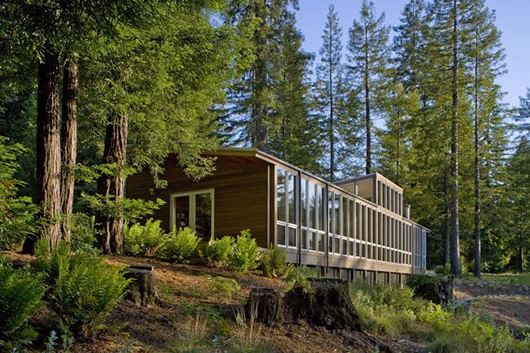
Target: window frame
(192, 208)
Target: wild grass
(395, 312)
(513, 278)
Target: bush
(299, 278)
(83, 289)
(419, 280)
(443, 269)
(20, 297)
(387, 310)
(244, 256)
(218, 251)
(146, 240)
(16, 213)
(83, 233)
(274, 263)
(182, 245)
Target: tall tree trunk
(367, 106)
(48, 150)
(112, 187)
(331, 108)
(521, 251)
(447, 238)
(455, 237)
(69, 143)
(259, 107)
(477, 267)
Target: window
(312, 210)
(194, 210)
(287, 208)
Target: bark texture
(142, 288)
(455, 236)
(48, 166)
(112, 187)
(69, 143)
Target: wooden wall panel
(241, 193)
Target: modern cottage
(352, 228)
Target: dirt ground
(187, 291)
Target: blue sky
(513, 19)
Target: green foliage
(218, 251)
(273, 262)
(83, 233)
(418, 280)
(129, 209)
(182, 245)
(225, 286)
(299, 278)
(244, 256)
(444, 270)
(387, 310)
(83, 289)
(16, 213)
(146, 240)
(20, 297)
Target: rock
(142, 288)
(439, 292)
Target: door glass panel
(203, 215)
(182, 211)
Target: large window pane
(292, 181)
(182, 211)
(281, 235)
(292, 237)
(304, 206)
(312, 205)
(337, 214)
(203, 215)
(280, 194)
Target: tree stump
(439, 292)
(142, 288)
(327, 304)
(264, 306)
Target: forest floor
(194, 297)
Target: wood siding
(240, 194)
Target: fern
(182, 245)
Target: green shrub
(299, 278)
(244, 256)
(83, 233)
(16, 213)
(83, 289)
(146, 240)
(274, 263)
(387, 310)
(182, 245)
(443, 269)
(418, 280)
(20, 297)
(218, 251)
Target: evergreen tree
(519, 203)
(486, 62)
(329, 87)
(409, 46)
(368, 66)
(293, 134)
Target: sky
(512, 19)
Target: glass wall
(320, 219)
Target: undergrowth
(394, 312)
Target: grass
(394, 312)
(513, 278)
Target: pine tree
(409, 46)
(368, 65)
(329, 86)
(486, 62)
(293, 135)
